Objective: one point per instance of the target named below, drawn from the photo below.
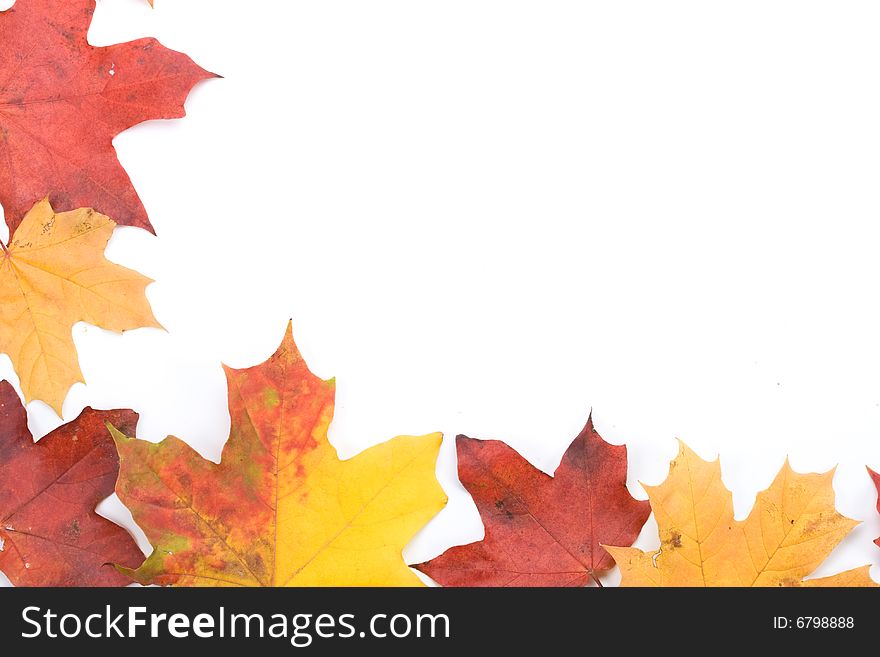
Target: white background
(488, 217)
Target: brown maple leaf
(50, 534)
(542, 530)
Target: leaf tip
(435, 438)
(118, 437)
(125, 571)
(6, 388)
(57, 406)
(683, 449)
(429, 442)
(465, 443)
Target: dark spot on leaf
(257, 565)
(72, 531)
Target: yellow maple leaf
(791, 529)
(52, 275)
(280, 509)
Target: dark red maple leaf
(62, 101)
(542, 530)
(50, 534)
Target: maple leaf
(875, 477)
(280, 509)
(62, 101)
(791, 529)
(541, 530)
(50, 534)
(52, 275)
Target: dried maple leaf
(280, 509)
(50, 534)
(875, 477)
(542, 530)
(52, 275)
(791, 529)
(62, 101)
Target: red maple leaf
(62, 101)
(50, 534)
(875, 477)
(542, 530)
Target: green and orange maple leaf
(280, 509)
